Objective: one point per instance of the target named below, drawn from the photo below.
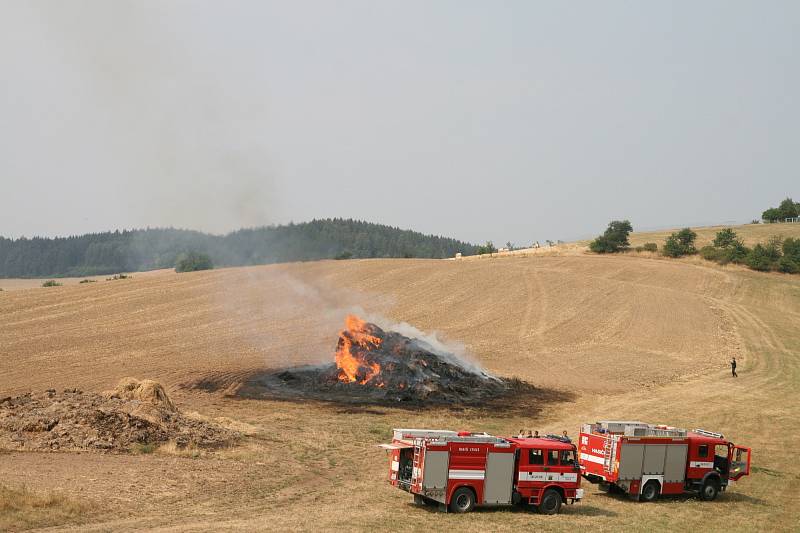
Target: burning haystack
(376, 366)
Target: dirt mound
(136, 413)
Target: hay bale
(145, 391)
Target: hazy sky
(479, 120)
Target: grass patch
(22, 508)
(88, 281)
(766, 471)
(144, 448)
(383, 432)
(190, 452)
(51, 283)
(647, 247)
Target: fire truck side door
(499, 478)
(532, 469)
(740, 462)
(434, 477)
(560, 471)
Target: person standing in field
(733, 367)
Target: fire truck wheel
(463, 500)
(710, 490)
(649, 492)
(551, 502)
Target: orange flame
(351, 363)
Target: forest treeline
(148, 249)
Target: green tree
(618, 231)
(725, 238)
(772, 214)
(787, 209)
(790, 262)
(687, 237)
(680, 243)
(614, 239)
(759, 258)
(672, 247)
(602, 245)
(192, 262)
(765, 257)
(488, 248)
(737, 252)
(789, 266)
(727, 248)
(344, 255)
(710, 253)
(791, 249)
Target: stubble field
(604, 337)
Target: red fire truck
(646, 460)
(459, 470)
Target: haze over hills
(149, 249)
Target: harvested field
(516, 316)
(622, 337)
(749, 233)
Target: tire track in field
(533, 321)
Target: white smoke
(452, 352)
(306, 312)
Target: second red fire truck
(647, 460)
(459, 471)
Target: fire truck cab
(459, 470)
(646, 460)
